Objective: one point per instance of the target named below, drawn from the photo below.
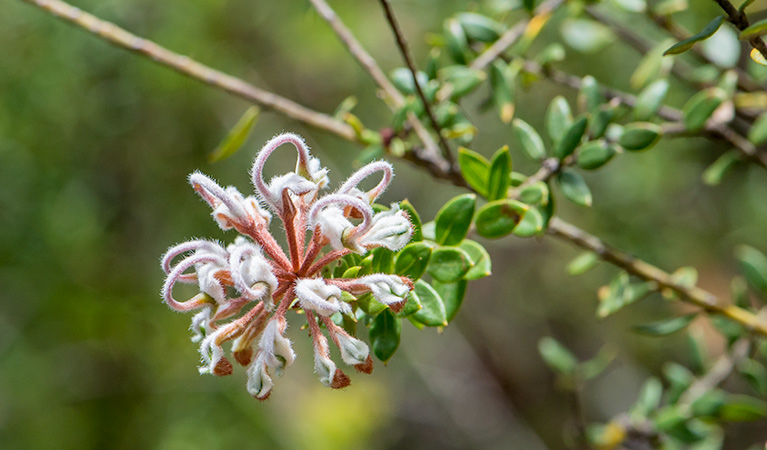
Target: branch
(648, 272)
(511, 36)
(719, 372)
(192, 69)
(717, 130)
(403, 48)
(745, 82)
(740, 20)
(371, 67)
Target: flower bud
(391, 229)
(315, 295)
(259, 382)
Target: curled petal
(276, 349)
(175, 274)
(328, 215)
(259, 382)
(201, 324)
(387, 289)
(309, 175)
(350, 185)
(251, 272)
(315, 295)
(215, 195)
(353, 350)
(207, 278)
(197, 246)
(391, 229)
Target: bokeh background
(95, 147)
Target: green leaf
(480, 28)
(370, 305)
(758, 132)
(589, 96)
(236, 136)
(412, 305)
(582, 263)
(452, 295)
(502, 85)
(620, 293)
(649, 398)
(705, 33)
(601, 120)
(666, 327)
(640, 136)
(574, 188)
(482, 265)
(744, 5)
(753, 265)
(679, 379)
(699, 108)
(556, 356)
(432, 312)
(383, 260)
(415, 219)
(532, 223)
(402, 79)
(742, 408)
(536, 193)
(709, 404)
(462, 78)
(594, 154)
(597, 365)
(475, 169)
(454, 219)
(499, 218)
(449, 264)
(755, 373)
(650, 100)
(412, 260)
(529, 139)
(719, 168)
(385, 335)
(585, 35)
(498, 180)
(455, 41)
(754, 30)
(571, 139)
(652, 66)
(558, 118)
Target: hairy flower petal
(315, 295)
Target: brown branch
(713, 129)
(403, 48)
(192, 69)
(740, 20)
(370, 65)
(648, 272)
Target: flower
(247, 288)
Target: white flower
(200, 324)
(324, 299)
(325, 368)
(387, 289)
(391, 229)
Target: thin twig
(740, 20)
(193, 69)
(745, 82)
(370, 65)
(719, 372)
(403, 48)
(717, 130)
(648, 272)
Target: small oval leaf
(499, 218)
(412, 260)
(454, 219)
(475, 169)
(385, 335)
(666, 327)
(236, 136)
(571, 138)
(529, 139)
(574, 188)
(449, 264)
(498, 180)
(432, 312)
(640, 136)
(594, 154)
(705, 33)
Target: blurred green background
(95, 147)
